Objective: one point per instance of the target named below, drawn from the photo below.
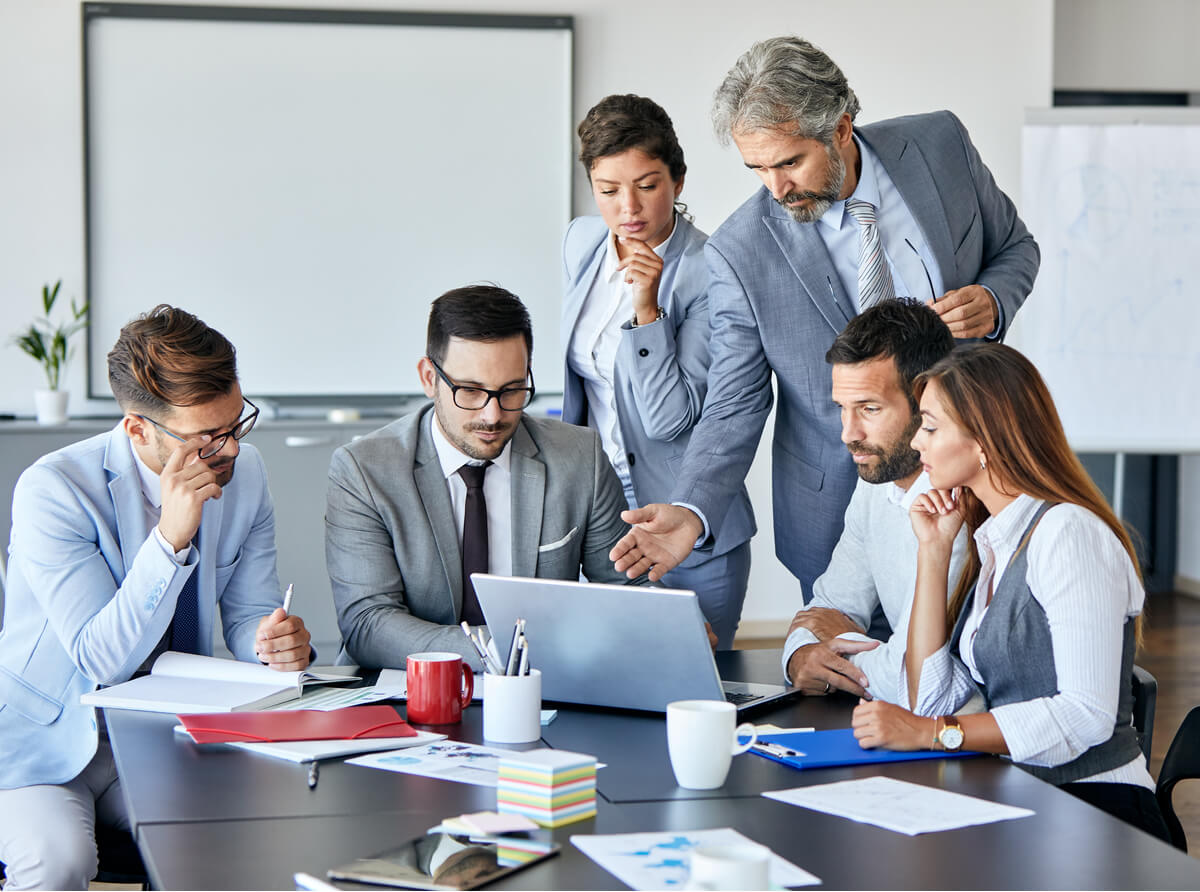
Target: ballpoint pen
(510, 667)
(524, 666)
(287, 599)
(776, 750)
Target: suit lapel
(806, 254)
(528, 491)
(573, 301)
(125, 488)
(209, 538)
(910, 173)
(435, 497)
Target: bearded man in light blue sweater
(874, 564)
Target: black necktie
(474, 539)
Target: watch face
(951, 738)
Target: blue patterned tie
(874, 277)
(185, 628)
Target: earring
(982, 464)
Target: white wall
(986, 61)
(1144, 45)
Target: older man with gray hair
(847, 216)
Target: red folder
(349, 723)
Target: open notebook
(192, 683)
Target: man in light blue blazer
(659, 378)
(796, 262)
(123, 546)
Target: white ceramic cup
(702, 740)
(512, 707)
(733, 866)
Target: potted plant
(49, 344)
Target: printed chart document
(660, 860)
(898, 805)
(192, 683)
(465, 763)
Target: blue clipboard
(831, 749)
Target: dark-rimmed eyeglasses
(217, 443)
(511, 399)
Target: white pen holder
(512, 707)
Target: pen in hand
(287, 599)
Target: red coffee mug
(440, 686)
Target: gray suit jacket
(392, 546)
(773, 310)
(661, 371)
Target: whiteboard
(308, 181)
(1113, 323)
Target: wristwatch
(951, 734)
(662, 314)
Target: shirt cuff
(179, 557)
(704, 537)
(999, 329)
(798, 638)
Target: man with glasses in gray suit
(848, 215)
(468, 484)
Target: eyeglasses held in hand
(217, 443)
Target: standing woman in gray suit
(635, 327)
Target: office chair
(1145, 697)
(1182, 763)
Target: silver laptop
(625, 646)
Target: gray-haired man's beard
(818, 202)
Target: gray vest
(1014, 654)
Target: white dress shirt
(592, 352)
(497, 489)
(874, 562)
(842, 236)
(152, 507)
(1081, 575)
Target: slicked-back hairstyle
(622, 122)
(997, 396)
(476, 313)
(910, 334)
(167, 358)
(783, 82)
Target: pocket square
(560, 543)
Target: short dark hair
(621, 122)
(167, 358)
(476, 313)
(911, 334)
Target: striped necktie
(874, 277)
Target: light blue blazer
(661, 370)
(776, 303)
(91, 593)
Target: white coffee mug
(702, 740)
(512, 707)
(732, 866)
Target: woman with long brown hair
(1044, 619)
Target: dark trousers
(1132, 804)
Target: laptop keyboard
(738, 697)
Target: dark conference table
(221, 818)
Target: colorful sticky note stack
(554, 787)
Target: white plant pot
(51, 406)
